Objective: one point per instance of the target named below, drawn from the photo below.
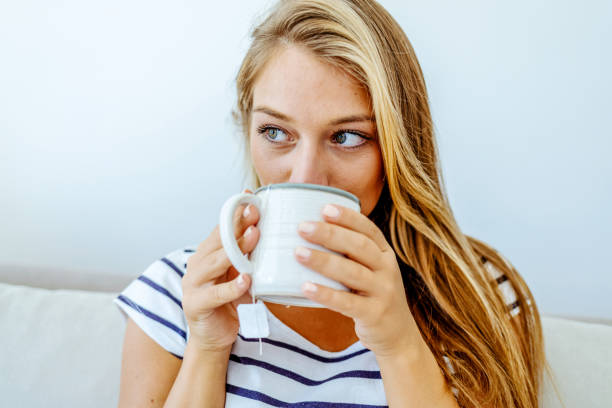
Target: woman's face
(311, 123)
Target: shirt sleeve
(510, 299)
(154, 301)
(505, 287)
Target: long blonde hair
(495, 359)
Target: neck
(329, 330)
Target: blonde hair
(496, 359)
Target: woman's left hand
(377, 303)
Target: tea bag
(253, 321)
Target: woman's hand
(212, 288)
(377, 303)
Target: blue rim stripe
(309, 186)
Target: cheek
(257, 157)
(369, 198)
(255, 152)
(364, 178)
(269, 167)
(370, 181)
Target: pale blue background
(117, 145)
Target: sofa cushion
(62, 348)
(59, 348)
(63, 278)
(580, 355)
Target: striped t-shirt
(291, 371)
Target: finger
(338, 268)
(244, 216)
(356, 221)
(353, 244)
(207, 268)
(349, 304)
(222, 293)
(246, 297)
(240, 221)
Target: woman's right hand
(212, 288)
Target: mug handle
(226, 228)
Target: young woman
(330, 92)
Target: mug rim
(308, 186)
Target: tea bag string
(257, 322)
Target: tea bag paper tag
(253, 320)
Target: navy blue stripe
(188, 250)
(173, 266)
(299, 378)
(304, 352)
(501, 279)
(258, 396)
(160, 289)
(152, 315)
(176, 355)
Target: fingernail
(309, 287)
(306, 227)
(240, 280)
(331, 211)
(246, 211)
(302, 252)
(248, 231)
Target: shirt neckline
(304, 342)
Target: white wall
(117, 146)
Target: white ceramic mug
(277, 276)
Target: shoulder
(154, 300)
(175, 261)
(164, 275)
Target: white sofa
(60, 346)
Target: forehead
(295, 81)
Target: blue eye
(354, 140)
(274, 135)
(344, 138)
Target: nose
(309, 165)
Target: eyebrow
(339, 121)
